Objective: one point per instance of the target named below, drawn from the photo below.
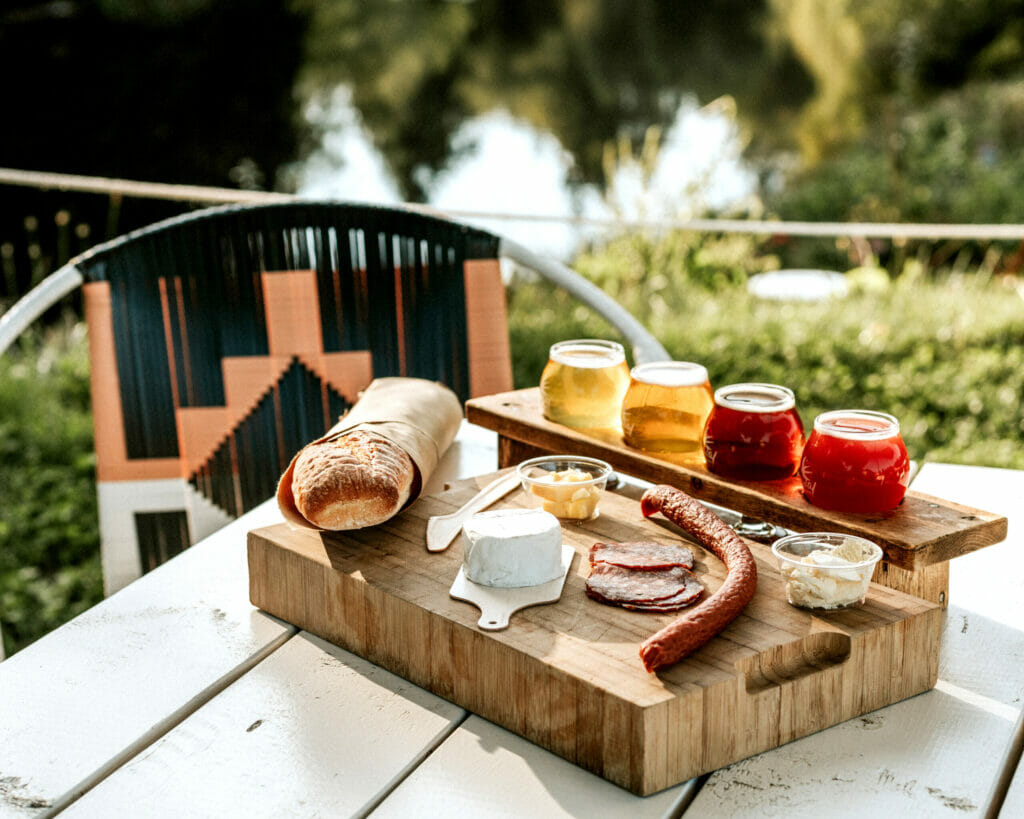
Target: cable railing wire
(214, 195)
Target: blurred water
(501, 165)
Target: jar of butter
(567, 486)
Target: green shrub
(943, 353)
(49, 538)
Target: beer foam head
(588, 352)
(671, 374)
(755, 398)
(857, 425)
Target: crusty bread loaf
(351, 482)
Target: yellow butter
(564, 500)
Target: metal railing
(42, 247)
(210, 195)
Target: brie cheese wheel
(511, 548)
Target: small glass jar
(855, 461)
(583, 383)
(567, 486)
(826, 570)
(754, 433)
(666, 406)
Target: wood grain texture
(568, 676)
(923, 531)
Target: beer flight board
(918, 538)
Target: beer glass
(666, 406)
(583, 383)
(855, 461)
(754, 433)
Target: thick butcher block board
(568, 675)
(923, 531)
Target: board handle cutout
(785, 663)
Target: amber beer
(666, 405)
(583, 383)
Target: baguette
(357, 480)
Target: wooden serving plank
(568, 676)
(922, 532)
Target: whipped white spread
(828, 578)
(510, 548)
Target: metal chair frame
(120, 553)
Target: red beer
(855, 461)
(754, 433)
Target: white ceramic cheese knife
(442, 529)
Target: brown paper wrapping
(420, 416)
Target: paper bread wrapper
(420, 416)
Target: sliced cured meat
(690, 590)
(690, 593)
(643, 555)
(643, 575)
(614, 584)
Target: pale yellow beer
(666, 406)
(583, 383)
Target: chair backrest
(224, 340)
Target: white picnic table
(176, 697)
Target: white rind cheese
(511, 548)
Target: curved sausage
(695, 628)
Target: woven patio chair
(223, 340)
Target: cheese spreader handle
(442, 529)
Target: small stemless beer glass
(666, 406)
(754, 433)
(855, 461)
(583, 383)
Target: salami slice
(690, 593)
(643, 555)
(614, 584)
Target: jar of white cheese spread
(826, 570)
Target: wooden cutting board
(919, 538)
(568, 675)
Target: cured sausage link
(695, 628)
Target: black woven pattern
(269, 434)
(161, 536)
(209, 264)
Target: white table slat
(484, 770)
(176, 697)
(1013, 803)
(935, 754)
(79, 701)
(987, 615)
(311, 731)
(82, 700)
(986, 581)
